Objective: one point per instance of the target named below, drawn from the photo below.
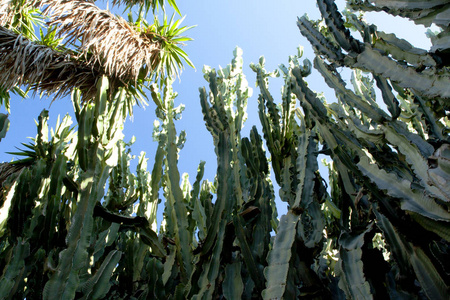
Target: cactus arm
(320, 44)
(255, 272)
(198, 178)
(223, 168)
(306, 165)
(157, 172)
(421, 12)
(412, 257)
(400, 249)
(147, 206)
(401, 50)
(438, 173)
(414, 201)
(98, 285)
(198, 213)
(424, 147)
(312, 104)
(271, 136)
(433, 127)
(210, 268)
(211, 118)
(427, 85)
(15, 269)
(168, 266)
(232, 286)
(334, 81)
(388, 97)
(335, 24)
(279, 258)
(350, 267)
(363, 87)
(414, 158)
(430, 280)
(439, 227)
(183, 240)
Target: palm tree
(83, 43)
(104, 62)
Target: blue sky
(258, 27)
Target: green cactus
(356, 133)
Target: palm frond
(5, 96)
(49, 71)
(145, 5)
(168, 34)
(6, 12)
(20, 16)
(129, 53)
(102, 38)
(8, 170)
(23, 62)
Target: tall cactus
(386, 155)
(244, 194)
(293, 147)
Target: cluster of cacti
(384, 176)
(76, 222)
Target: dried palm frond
(149, 3)
(6, 13)
(103, 38)
(8, 170)
(23, 62)
(20, 16)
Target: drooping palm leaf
(23, 62)
(147, 4)
(169, 34)
(7, 170)
(41, 67)
(20, 16)
(127, 52)
(102, 38)
(6, 12)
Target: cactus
(4, 125)
(76, 222)
(356, 134)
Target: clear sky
(258, 27)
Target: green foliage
(76, 222)
(168, 34)
(146, 5)
(25, 18)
